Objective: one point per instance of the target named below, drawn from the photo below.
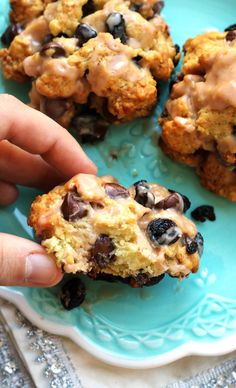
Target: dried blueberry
(88, 8)
(177, 49)
(158, 7)
(200, 242)
(56, 50)
(72, 293)
(143, 279)
(115, 191)
(116, 26)
(90, 128)
(84, 32)
(143, 195)
(11, 32)
(203, 213)
(55, 108)
(103, 251)
(187, 202)
(230, 28)
(163, 231)
(191, 245)
(173, 201)
(73, 208)
(231, 36)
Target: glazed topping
(115, 191)
(102, 252)
(11, 32)
(163, 231)
(84, 32)
(116, 26)
(73, 208)
(35, 32)
(203, 213)
(54, 108)
(143, 194)
(72, 293)
(53, 49)
(90, 128)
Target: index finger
(38, 134)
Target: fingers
(8, 193)
(19, 167)
(25, 263)
(37, 134)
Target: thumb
(25, 263)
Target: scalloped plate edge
(191, 348)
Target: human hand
(35, 151)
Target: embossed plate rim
(190, 348)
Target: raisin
(116, 26)
(230, 28)
(56, 50)
(11, 32)
(143, 195)
(102, 252)
(55, 108)
(85, 32)
(88, 8)
(90, 128)
(72, 293)
(203, 213)
(231, 36)
(73, 208)
(163, 231)
(158, 7)
(115, 191)
(191, 245)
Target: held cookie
(97, 227)
(90, 56)
(199, 123)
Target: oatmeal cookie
(199, 123)
(97, 227)
(90, 56)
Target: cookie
(95, 56)
(99, 228)
(199, 122)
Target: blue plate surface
(151, 326)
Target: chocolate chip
(72, 293)
(103, 251)
(231, 36)
(85, 32)
(187, 202)
(230, 28)
(56, 50)
(73, 208)
(55, 108)
(115, 191)
(143, 194)
(163, 231)
(174, 201)
(158, 7)
(90, 128)
(203, 213)
(11, 32)
(116, 26)
(88, 8)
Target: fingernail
(40, 269)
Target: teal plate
(142, 328)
